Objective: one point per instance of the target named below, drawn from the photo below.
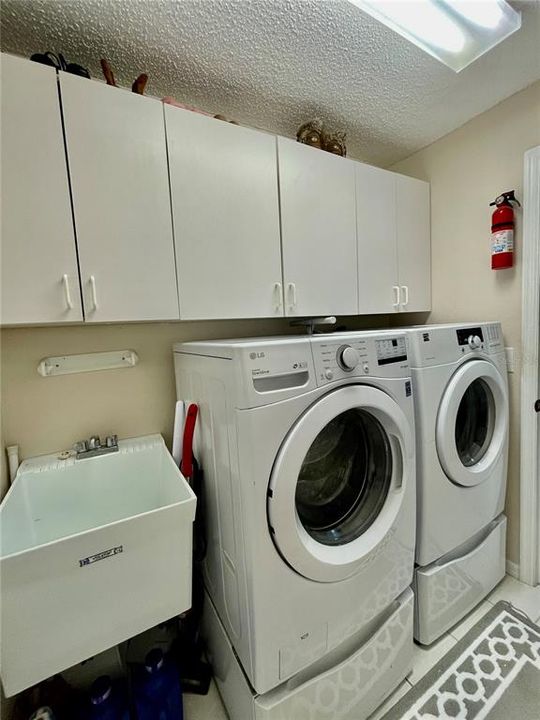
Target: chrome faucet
(94, 447)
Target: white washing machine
(461, 400)
(307, 445)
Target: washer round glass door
(472, 423)
(338, 482)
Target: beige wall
(43, 415)
(467, 169)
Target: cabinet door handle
(94, 292)
(405, 290)
(277, 297)
(395, 290)
(291, 287)
(67, 293)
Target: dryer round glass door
(338, 482)
(472, 424)
(475, 421)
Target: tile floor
(209, 707)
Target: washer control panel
(391, 350)
(347, 355)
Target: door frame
(529, 554)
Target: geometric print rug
(493, 673)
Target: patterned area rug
(492, 673)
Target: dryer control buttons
(464, 334)
(474, 341)
(328, 374)
(347, 357)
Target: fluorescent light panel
(456, 32)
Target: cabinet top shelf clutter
(174, 215)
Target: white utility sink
(92, 552)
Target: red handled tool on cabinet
(196, 674)
(191, 470)
(188, 462)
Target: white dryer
(307, 445)
(461, 400)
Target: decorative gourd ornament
(314, 133)
(335, 143)
(311, 133)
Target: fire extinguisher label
(502, 241)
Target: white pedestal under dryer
(461, 402)
(307, 448)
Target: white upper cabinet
(378, 288)
(393, 226)
(226, 218)
(118, 167)
(263, 226)
(318, 226)
(40, 279)
(414, 243)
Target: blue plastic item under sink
(157, 690)
(108, 700)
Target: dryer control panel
(344, 356)
(438, 344)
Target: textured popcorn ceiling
(277, 63)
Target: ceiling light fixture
(456, 32)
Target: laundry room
(270, 331)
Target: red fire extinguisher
(502, 231)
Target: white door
(118, 167)
(378, 287)
(414, 243)
(472, 423)
(338, 482)
(318, 231)
(40, 278)
(226, 218)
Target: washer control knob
(474, 342)
(328, 374)
(347, 357)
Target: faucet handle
(81, 446)
(111, 441)
(94, 443)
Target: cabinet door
(318, 226)
(378, 290)
(118, 167)
(40, 278)
(414, 243)
(226, 218)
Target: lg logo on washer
(256, 355)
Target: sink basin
(92, 552)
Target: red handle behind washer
(186, 465)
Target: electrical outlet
(510, 359)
